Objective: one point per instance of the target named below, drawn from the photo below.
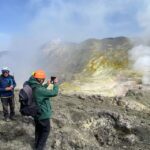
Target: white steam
(70, 21)
(140, 55)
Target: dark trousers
(42, 129)
(8, 101)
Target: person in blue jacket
(7, 85)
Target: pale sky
(25, 25)
(72, 20)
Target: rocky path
(87, 123)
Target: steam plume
(141, 58)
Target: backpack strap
(28, 90)
(33, 90)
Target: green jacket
(43, 96)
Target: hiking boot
(7, 119)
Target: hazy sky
(72, 20)
(25, 25)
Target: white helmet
(5, 69)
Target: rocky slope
(82, 122)
(92, 67)
(65, 59)
(102, 104)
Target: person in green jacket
(42, 97)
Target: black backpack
(28, 106)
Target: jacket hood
(33, 82)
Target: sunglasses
(5, 71)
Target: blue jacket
(6, 82)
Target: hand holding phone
(49, 82)
(52, 79)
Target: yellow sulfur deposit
(102, 74)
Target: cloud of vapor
(79, 20)
(69, 21)
(140, 55)
(20, 59)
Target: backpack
(28, 106)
